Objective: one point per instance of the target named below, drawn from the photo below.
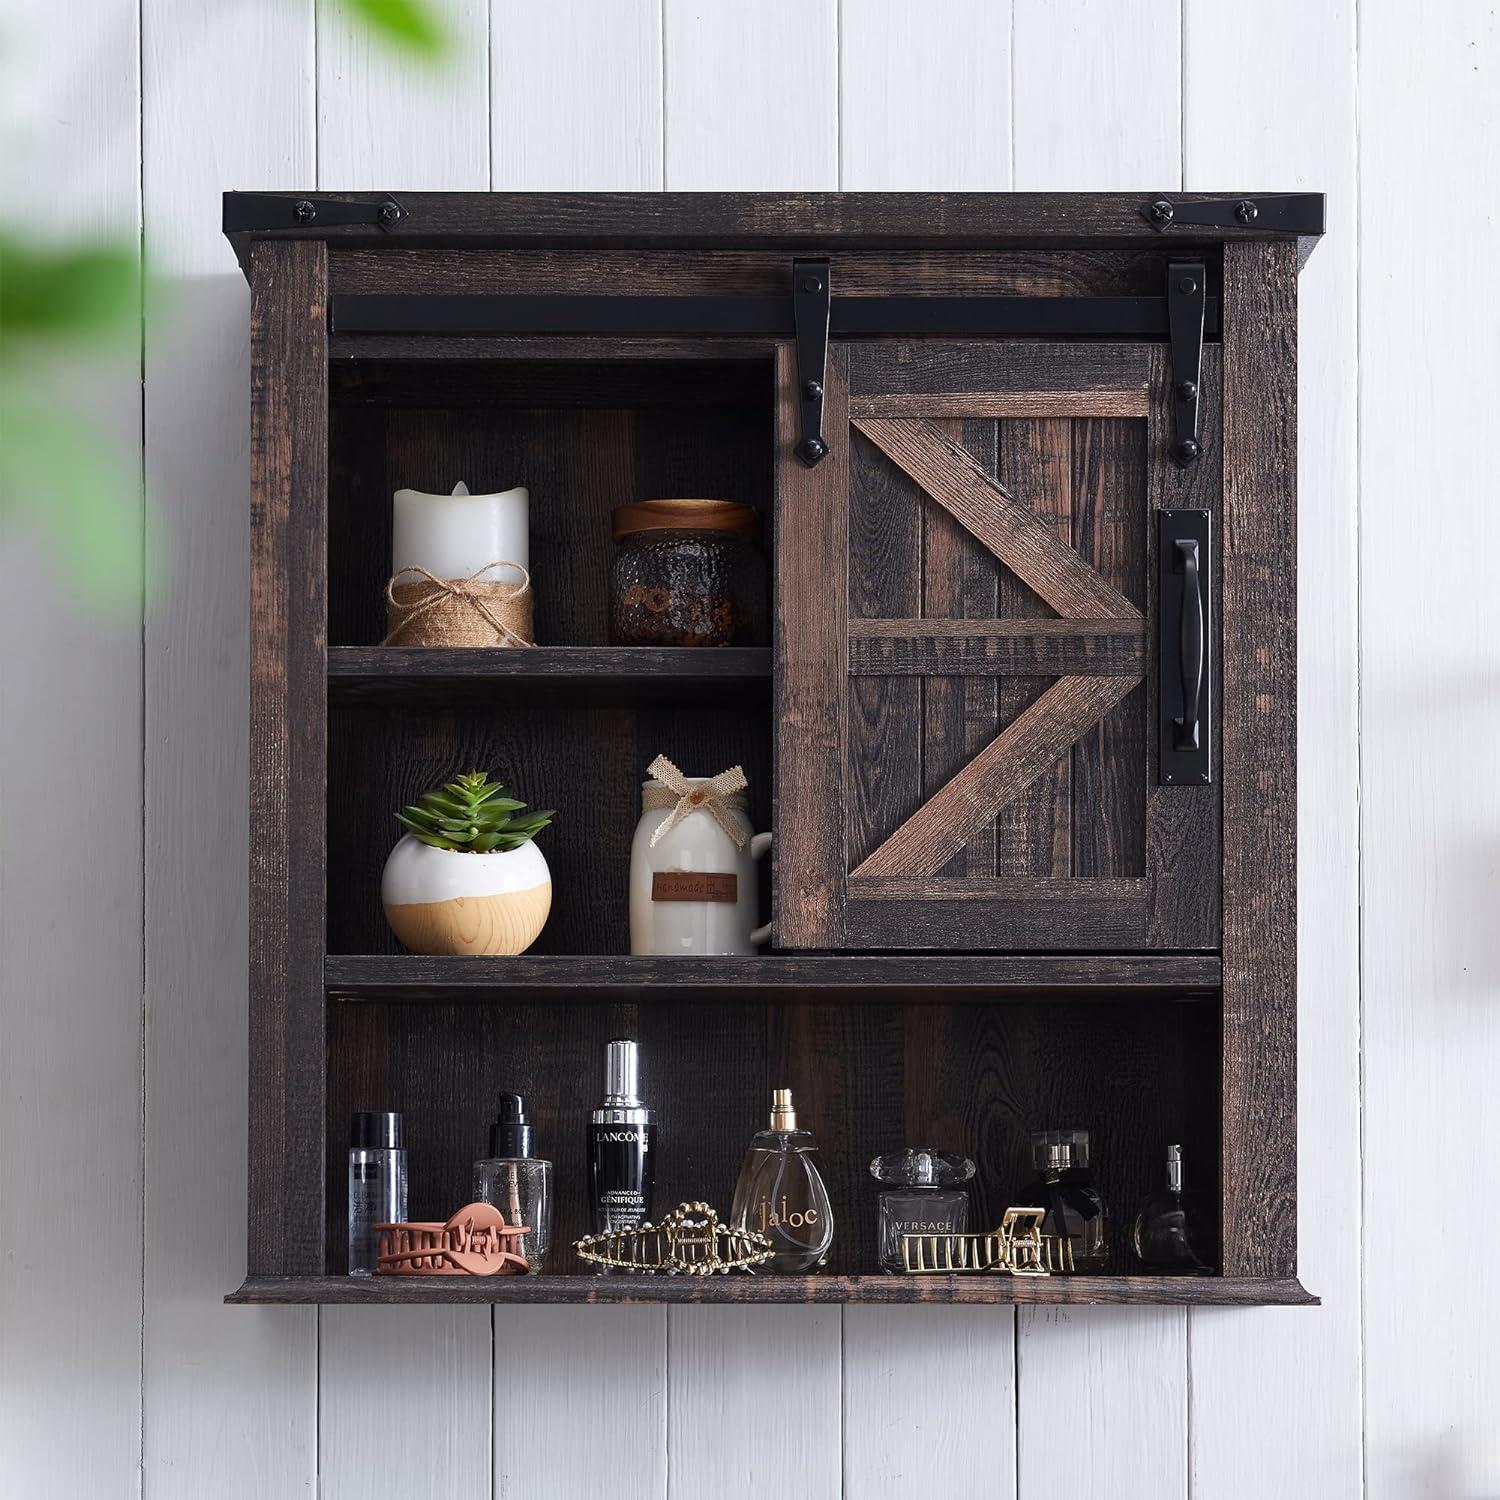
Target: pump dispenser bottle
(781, 1194)
(516, 1180)
(622, 1145)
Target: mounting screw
(1187, 391)
(1161, 213)
(1202, 775)
(303, 211)
(1168, 776)
(1187, 285)
(813, 390)
(1245, 211)
(1187, 450)
(812, 284)
(390, 213)
(812, 450)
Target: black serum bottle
(622, 1145)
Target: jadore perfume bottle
(1170, 1232)
(923, 1193)
(622, 1145)
(1075, 1211)
(781, 1195)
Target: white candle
(454, 536)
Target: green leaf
(485, 843)
(409, 25)
(88, 292)
(431, 841)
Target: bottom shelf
(1197, 1291)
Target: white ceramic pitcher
(694, 891)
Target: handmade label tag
(693, 885)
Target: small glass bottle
(516, 1181)
(377, 1183)
(1170, 1232)
(780, 1193)
(1075, 1211)
(925, 1194)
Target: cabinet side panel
(1260, 760)
(812, 665)
(288, 755)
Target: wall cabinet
(1024, 730)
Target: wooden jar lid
(683, 515)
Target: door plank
(1131, 401)
(1012, 761)
(1011, 531)
(1000, 648)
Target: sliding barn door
(967, 654)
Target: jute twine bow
(452, 595)
(718, 795)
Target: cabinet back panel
(585, 758)
(867, 1078)
(581, 441)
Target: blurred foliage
(62, 475)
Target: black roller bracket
(1273, 213)
(1185, 646)
(810, 304)
(259, 213)
(1186, 300)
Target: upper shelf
(415, 672)
(935, 975)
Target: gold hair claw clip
(686, 1243)
(1018, 1246)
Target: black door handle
(1189, 646)
(1185, 646)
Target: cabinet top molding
(789, 221)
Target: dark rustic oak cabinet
(1024, 731)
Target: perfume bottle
(924, 1194)
(1171, 1233)
(377, 1183)
(1075, 1211)
(516, 1181)
(622, 1145)
(781, 1195)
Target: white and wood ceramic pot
(446, 901)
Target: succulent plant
(472, 815)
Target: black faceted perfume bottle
(1075, 1211)
(1171, 1232)
(622, 1145)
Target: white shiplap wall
(122, 1054)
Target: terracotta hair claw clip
(476, 1241)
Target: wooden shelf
(939, 975)
(416, 672)
(1197, 1291)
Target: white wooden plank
(1291, 1372)
(404, 1393)
(230, 1392)
(751, 95)
(576, 95)
(1097, 94)
(70, 825)
(924, 100)
(929, 1401)
(1084, 119)
(580, 1403)
(1429, 313)
(754, 1404)
(388, 119)
(1105, 1389)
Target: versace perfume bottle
(1171, 1232)
(924, 1193)
(622, 1142)
(1075, 1211)
(377, 1183)
(781, 1195)
(516, 1180)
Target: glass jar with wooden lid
(687, 573)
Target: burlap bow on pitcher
(720, 795)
